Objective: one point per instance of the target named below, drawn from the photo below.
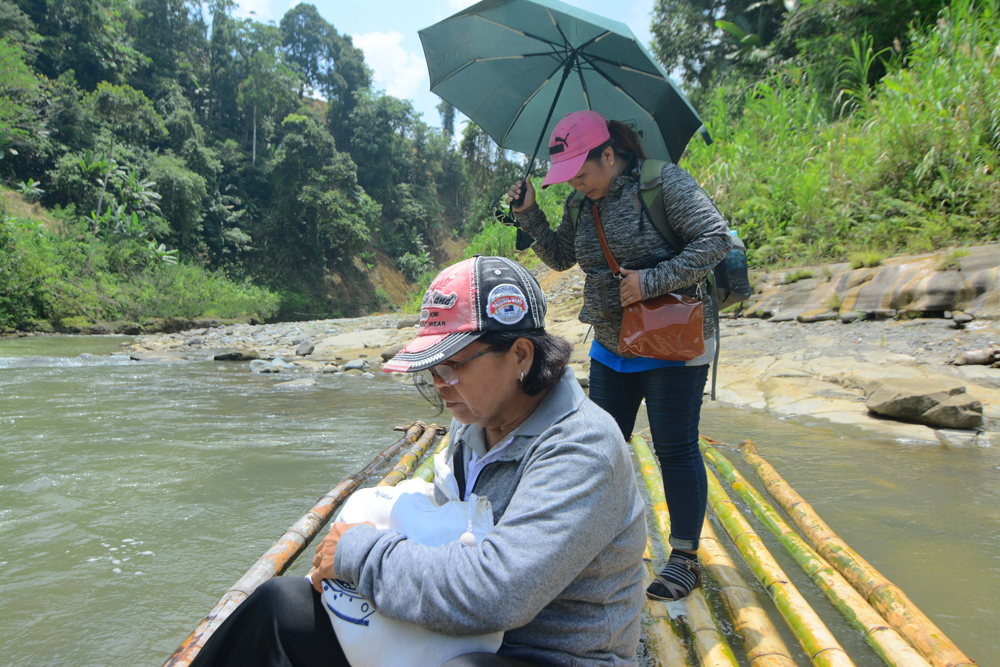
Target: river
(132, 495)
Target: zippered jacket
(636, 244)
(561, 571)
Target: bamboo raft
(692, 632)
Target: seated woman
(560, 573)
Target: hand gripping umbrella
(513, 65)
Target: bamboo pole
(812, 634)
(280, 556)
(709, 642)
(663, 637)
(409, 459)
(885, 641)
(881, 593)
(426, 469)
(764, 645)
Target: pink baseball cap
(464, 302)
(573, 138)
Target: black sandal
(669, 590)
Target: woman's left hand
(631, 287)
(325, 553)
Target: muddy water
(132, 495)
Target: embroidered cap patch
(506, 304)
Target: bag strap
(615, 269)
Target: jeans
(673, 404)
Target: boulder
(353, 372)
(958, 411)
(195, 340)
(305, 348)
(368, 376)
(356, 365)
(390, 352)
(941, 402)
(961, 318)
(849, 316)
(262, 366)
(407, 321)
(232, 354)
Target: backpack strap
(651, 188)
(575, 204)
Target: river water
(132, 495)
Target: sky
(387, 32)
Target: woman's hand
(325, 552)
(515, 192)
(631, 287)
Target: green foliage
(495, 240)
(182, 193)
(909, 166)
(865, 259)
(46, 277)
(796, 276)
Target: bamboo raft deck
(691, 632)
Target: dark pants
(283, 624)
(673, 404)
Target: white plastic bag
(368, 638)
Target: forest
(165, 158)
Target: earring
(522, 377)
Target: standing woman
(602, 160)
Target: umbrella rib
(621, 90)
(483, 60)
(583, 84)
(525, 106)
(627, 68)
(519, 32)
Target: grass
(953, 260)
(796, 276)
(865, 259)
(909, 166)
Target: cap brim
(427, 351)
(560, 172)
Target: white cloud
(400, 72)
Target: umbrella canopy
(512, 66)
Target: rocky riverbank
(861, 368)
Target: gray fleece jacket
(561, 571)
(636, 245)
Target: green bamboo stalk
(709, 642)
(882, 594)
(426, 469)
(764, 645)
(813, 635)
(885, 641)
(408, 460)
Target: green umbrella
(512, 66)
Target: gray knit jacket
(561, 571)
(635, 244)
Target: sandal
(667, 586)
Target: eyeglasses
(448, 372)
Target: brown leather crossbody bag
(668, 327)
